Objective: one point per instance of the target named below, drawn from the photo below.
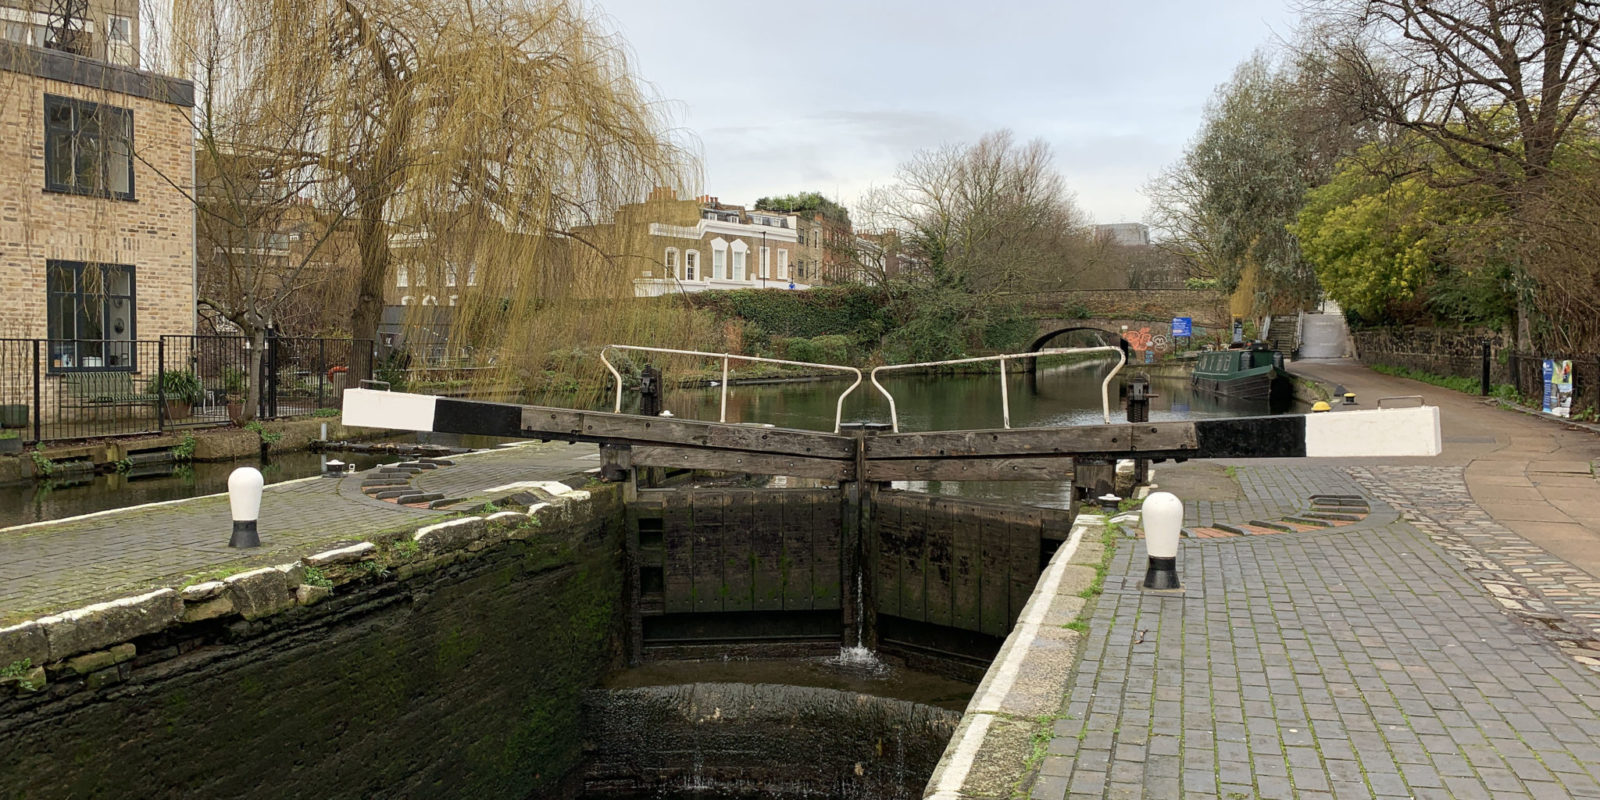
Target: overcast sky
(830, 95)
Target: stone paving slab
(1354, 663)
(49, 567)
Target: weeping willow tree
(457, 144)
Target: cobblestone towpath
(54, 566)
(1355, 662)
(1438, 647)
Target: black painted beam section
(477, 417)
(1251, 437)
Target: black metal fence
(54, 390)
(1491, 367)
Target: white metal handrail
(1005, 393)
(838, 412)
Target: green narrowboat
(1253, 372)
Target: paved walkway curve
(55, 566)
(1438, 648)
(1350, 664)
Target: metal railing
(59, 389)
(1005, 392)
(838, 412)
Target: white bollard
(244, 499)
(1163, 522)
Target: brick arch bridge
(1129, 334)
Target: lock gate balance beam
(1005, 454)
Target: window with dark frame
(92, 323)
(88, 148)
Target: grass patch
(316, 577)
(1502, 391)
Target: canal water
(86, 493)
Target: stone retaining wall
(445, 662)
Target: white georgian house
(724, 249)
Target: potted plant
(233, 385)
(10, 442)
(181, 389)
(13, 415)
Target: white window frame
(691, 266)
(783, 264)
(766, 262)
(740, 265)
(719, 259)
(402, 276)
(670, 261)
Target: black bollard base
(1162, 574)
(244, 535)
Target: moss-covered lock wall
(462, 681)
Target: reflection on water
(70, 496)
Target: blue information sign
(1182, 326)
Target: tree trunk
(373, 243)
(253, 384)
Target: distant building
(1133, 234)
(703, 244)
(108, 30)
(879, 257)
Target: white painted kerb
(369, 408)
(1374, 433)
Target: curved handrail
(1005, 396)
(838, 411)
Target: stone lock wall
(447, 662)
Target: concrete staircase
(1324, 336)
(1280, 336)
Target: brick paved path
(1270, 491)
(1349, 664)
(56, 566)
(1523, 577)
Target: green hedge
(857, 312)
(830, 349)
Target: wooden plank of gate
(1016, 442)
(710, 508)
(966, 564)
(742, 461)
(747, 577)
(1034, 468)
(1023, 559)
(993, 577)
(924, 595)
(677, 577)
(561, 423)
(793, 553)
(826, 531)
(888, 528)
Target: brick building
(105, 30)
(703, 244)
(96, 224)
